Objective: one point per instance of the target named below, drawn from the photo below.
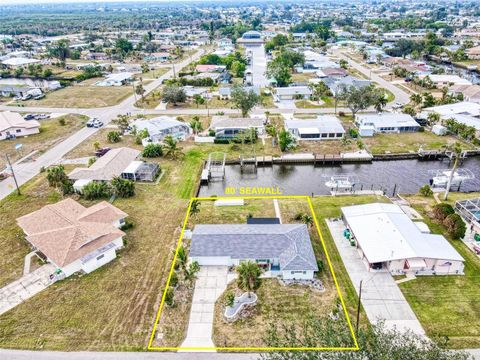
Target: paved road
(258, 65)
(400, 95)
(25, 172)
(381, 297)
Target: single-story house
(324, 127)
(229, 128)
(283, 250)
(332, 72)
(387, 239)
(18, 62)
(160, 127)
(291, 93)
(210, 68)
(471, 93)
(473, 53)
(117, 79)
(224, 42)
(446, 80)
(110, 165)
(369, 124)
(224, 93)
(469, 210)
(13, 125)
(159, 56)
(140, 171)
(337, 84)
(251, 38)
(465, 112)
(75, 238)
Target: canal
(407, 175)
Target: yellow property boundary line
(262, 349)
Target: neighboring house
(110, 165)
(231, 128)
(471, 93)
(441, 80)
(224, 93)
(469, 209)
(324, 127)
(251, 38)
(140, 171)
(13, 125)
(332, 72)
(75, 238)
(96, 56)
(159, 56)
(337, 84)
(210, 68)
(160, 127)
(292, 93)
(387, 239)
(385, 122)
(119, 79)
(14, 90)
(473, 53)
(465, 112)
(283, 250)
(18, 62)
(224, 42)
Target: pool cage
(469, 209)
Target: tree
(122, 122)
(173, 94)
(96, 190)
(343, 63)
(426, 191)
(456, 152)
(182, 257)
(145, 68)
(196, 125)
(122, 187)
(47, 73)
(139, 90)
(238, 69)
(416, 99)
(285, 140)
(441, 211)
(198, 99)
(123, 46)
(379, 100)
(279, 72)
(58, 179)
(455, 226)
(190, 273)
(244, 99)
(170, 147)
(319, 90)
(59, 49)
(96, 145)
(113, 137)
(307, 219)
(248, 276)
(358, 98)
(169, 296)
(375, 342)
(433, 117)
(152, 150)
(194, 208)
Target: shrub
(441, 211)
(455, 226)
(426, 191)
(169, 296)
(152, 150)
(229, 299)
(122, 187)
(341, 113)
(321, 265)
(211, 132)
(128, 224)
(353, 132)
(61, 121)
(113, 137)
(174, 280)
(91, 161)
(96, 190)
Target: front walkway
(24, 288)
(382, 299)
(211, 283)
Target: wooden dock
(327, 159)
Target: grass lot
(447, 306)
(51, 132)
(83, 97)
(328, 102)
(407, 142)
(302, 77)
(154, 74)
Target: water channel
(407, 176)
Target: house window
(18, 130)
(297, 272)
(100, 257)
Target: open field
(447, 306)
(154, 74)
(51, 132)
(83, 97)
(408, 142)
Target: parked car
(29, 117)
(90, 122)
(26, 97)
(101, 152)
(97, 124)
(38, 97)
(42, 116)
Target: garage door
(212, 260)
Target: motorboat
(340, 182)
(440, 180)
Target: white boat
(340, 182)
(442, 176)
(472, 67)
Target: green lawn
(447, 306)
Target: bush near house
(152, 150)
(441, 211)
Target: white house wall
(298, 275)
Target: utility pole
(358, 307)
(13, 174)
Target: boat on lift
(340, 182)
(441, 177)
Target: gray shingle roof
(290, 243)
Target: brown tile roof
(108, 166)
(66, 231)
(10, 120)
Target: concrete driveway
(381, 297)
(211, 283)
(24, 288)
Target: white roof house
(322, 128)
(292, 92)
(385, 123)
(160, 127)
(117, 79)
(386, 236)
(465, 112)
(19, 62)
(443, 79)
(13, 125)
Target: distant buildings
(13, 125)
(231, 128)
(292, 93)
(467, 113)
(251, 38)
(117, 79)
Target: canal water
(406, 175)
(451, 69)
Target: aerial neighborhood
(270, 179)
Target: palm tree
(182, 257)
(457, 152)
(248, 276)
(416, 99)
(170, 148)
(196, 125)
(195, 208)
(190, 273)
(307, 219)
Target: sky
(18, 2)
